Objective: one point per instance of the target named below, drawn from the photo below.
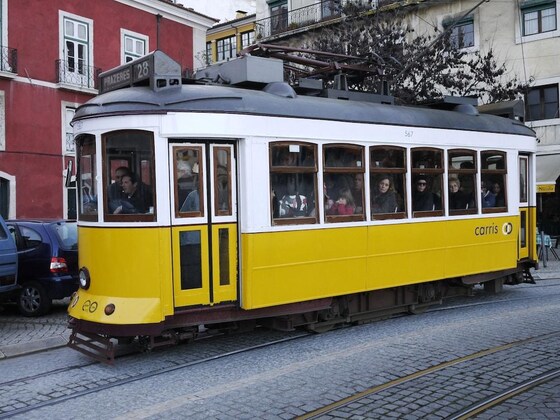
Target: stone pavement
(20, 335)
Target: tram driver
(137, 196)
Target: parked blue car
(8, 262)
(48, 262)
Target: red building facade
(51, 54)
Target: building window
(539, 18)
(542, 103)
(462, 35)
(134, 46)
(461, 31)
(278, 16)
(76, 52)
(7, 59)
(247, 38)
(208, 58)
(226, 48)
(68, 142)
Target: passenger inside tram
(458, 199)
(192, 202)
(422, 197)
(384, 198)
(488, 198)
(344, 204)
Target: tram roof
(234, 100)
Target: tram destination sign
(147, 68)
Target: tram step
(92, 345)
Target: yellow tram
(220, 205)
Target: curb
(14, 350)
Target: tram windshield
(128, 174)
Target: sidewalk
(20, 335)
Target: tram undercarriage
(318, 316)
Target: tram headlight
(84, 277)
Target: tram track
(498, 398)
(466, 412)
(173, 366)
(109, 383)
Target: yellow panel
(90, 307)
(129, 263)
(285, 267)
(225, 292)
(200, 296)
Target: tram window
(427, 179)
(190, 255)
(493, 179)
(523, 178)
(462, 169)
(87, 191)
(130, 197)
(222, 184)
(387, 181)
(188, 181)
(293, 179)
(343, 179)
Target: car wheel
(33, 300)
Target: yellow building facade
(225, 40)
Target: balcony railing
(8, 59)
(285, 21)
(74, 73)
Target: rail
(8, 59)
(74, 73)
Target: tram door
(204, 231)
(526, 233)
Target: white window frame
(67, 154)
(126, 34)
(231, 42)
(4, 22)
(68, 109)
(520, 38)
(89, 50)
(247, 34)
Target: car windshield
(67, 234)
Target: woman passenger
(384, 199)
(497, 191)
(457, 198)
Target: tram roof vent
(157, 70)
(245, 71)
(509, 109)
(463, 104)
